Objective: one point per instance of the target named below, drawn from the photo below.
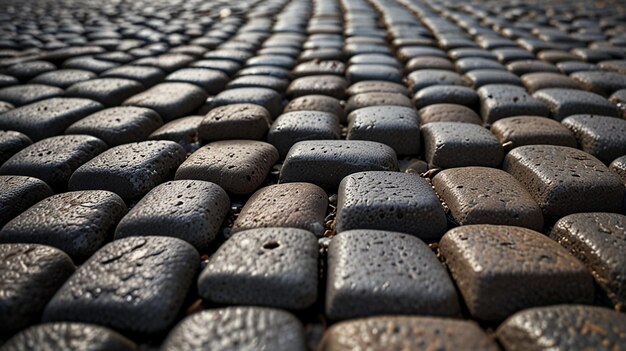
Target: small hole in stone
(271, 245)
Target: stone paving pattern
(312, 175)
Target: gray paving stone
(167, 62)
(446, 94)
(453, 144)
(192, 210)
(11, 142)
(118, 125)
(63, 78)
(543, 80)
(26, 70)
(229, 67)
(448, 113)
(481, 195)
(425, 78)
(319, 67)
(487, 261)
(567, 102)
(618, 166)
(406, 333)
(235, 121)
(264, 97)
(374, 59)
(563, 327)
(395, 126)
(130, 170)
(619, 98)
(569, 67)
(107, 91)
(148, 76)
(78, 223)
(521, 67)
(31, 274)
(292, 205)
(429, 62)
(373, 272)
(598, 240)
(170, 100)
(327, 84)
(532, 130)
(265, 71)
(292, 127)
(498, 101)
(19, 95)
(68, 336)
(259, 81)
(362, 100)
(376, 86)
(7, 81)
(327, 162)
(181, 130)
(54, 159)
(506, 55)
(275, 267)
(601, 136)
(361, 72)
(17, 193)
(618, 66)
(5, 106)
(468, 64)
(238, 166)
(48, 117)
(390, 201)
(320, 103)
(481, 77)
(88, 63)
(211, 81)
(599, 82)
(134, 284)
(564, 180)
(460, 53)
(237, 328)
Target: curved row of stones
(412, 174)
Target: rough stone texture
(363, 100)
(295, 205)
(27, 70)
(275, 267)
(54, 159)
(320, 103)
(453, 144)
(406, 333)
(543, 80)
(63, 78)
(259, 81)
(235, 121)
(78, 222)
(362, 72)
(428, 62)
(11, 142)
(392, 201)
(424, 78)
(468, 64)
(134, 284)
(211, 81)
(567, 102)
(329, 85)
(601, 136)
(532, 130)
(130, 170)
(448, 113)
(191, 210)
(599, 82)
(480, 195)
(598, 240)
(68, 336)
(19, 95)
(376, 86)
(446, 94)
(148, 76)
(17, 193)
(182, 130)
(238, 166)
(500, 270)
(107, 91)
(30, 276)
(565, 327)
(238, 328)
(48, 117)
(118, 125)
(292, 127)
(481, 77)
(327, 162)
(521, 67)
(319, 67)
(564, 180)
(170, 100)
(264, 97)
(5, 106)
(374, 272)
(498, 101)
(618, 166)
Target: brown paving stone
(448, 113)
(532, 130)
(235, 121)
